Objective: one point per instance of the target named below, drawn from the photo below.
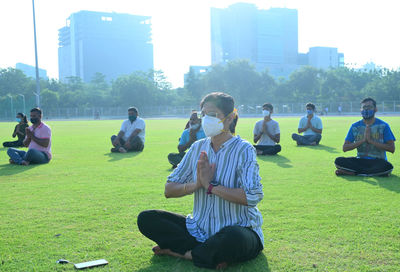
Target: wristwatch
(213, 184)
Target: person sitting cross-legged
(131, 135)
(38, 141)
(311, 127)
(19, 131)
(372, 137)
(222, 173)
(266, 133)
(188, 137)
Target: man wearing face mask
(372, 137)
(190, 135)
(311, 127)
(131, 135)
(267, 133)
(38, 141)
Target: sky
(364, 30)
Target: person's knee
(144, 218)
(231, 236)
(294, 136)
(339, 160)
(278, 148)
(10, 151)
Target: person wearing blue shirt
(188, 137)
(311, 127)
(372, 137)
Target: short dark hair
(369, 99)
(134, 110)
(311, 105)
(38, 110)
(224, 102)
(268, 105)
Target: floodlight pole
(23, 100)
(12, 108)
(36, 58)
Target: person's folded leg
(16, 155)
(36, 157)
(136, 144)
(166, 229)
(231, 244)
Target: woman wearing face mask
(19, 131)
(222, 172)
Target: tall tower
(113, 44)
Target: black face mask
(34, 120)
(132, 118)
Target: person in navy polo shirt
(372, 137)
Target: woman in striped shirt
(222, 172)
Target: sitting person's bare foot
(26, 163)
(223, 265)
(159, 251)
(341, 172)
(11, 161)
(122, 150)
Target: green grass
(83, 205)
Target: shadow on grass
(167, 263)
(320, 147)
(391, 183)
(120, 156)
(280, 160)
(12, 169)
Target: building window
(105, 18)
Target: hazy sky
(364, 30)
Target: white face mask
(195, 126)
(212, 126)
(265, 113)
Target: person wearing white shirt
(267, 133)
(131, 136)
(311, 127)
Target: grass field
(83, 205)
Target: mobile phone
(90, 264)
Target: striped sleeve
(248, 176)
(184, 172)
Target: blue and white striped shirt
(236, 167)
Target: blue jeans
(32, 156)
(307, 139)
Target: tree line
(238, 78)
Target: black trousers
(306, 139)
(268, 149)
(175, 158)
(231, 244)
(364, 167)
(13, 144)
(136, 143)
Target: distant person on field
(339, 109)
(38, 141)
(372, 137)
(267, 133)
(188, 137)
(194, 112)
(19, 131)
(131, 135)
(311, 127)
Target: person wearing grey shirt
(267, 134)
(311, 127)
(222, 173)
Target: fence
(334, 108)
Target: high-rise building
(267, 38)
(325, 57)
(30, 71)
(113, 44)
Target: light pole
(36, 58)
(23, 101)
(12, 109)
